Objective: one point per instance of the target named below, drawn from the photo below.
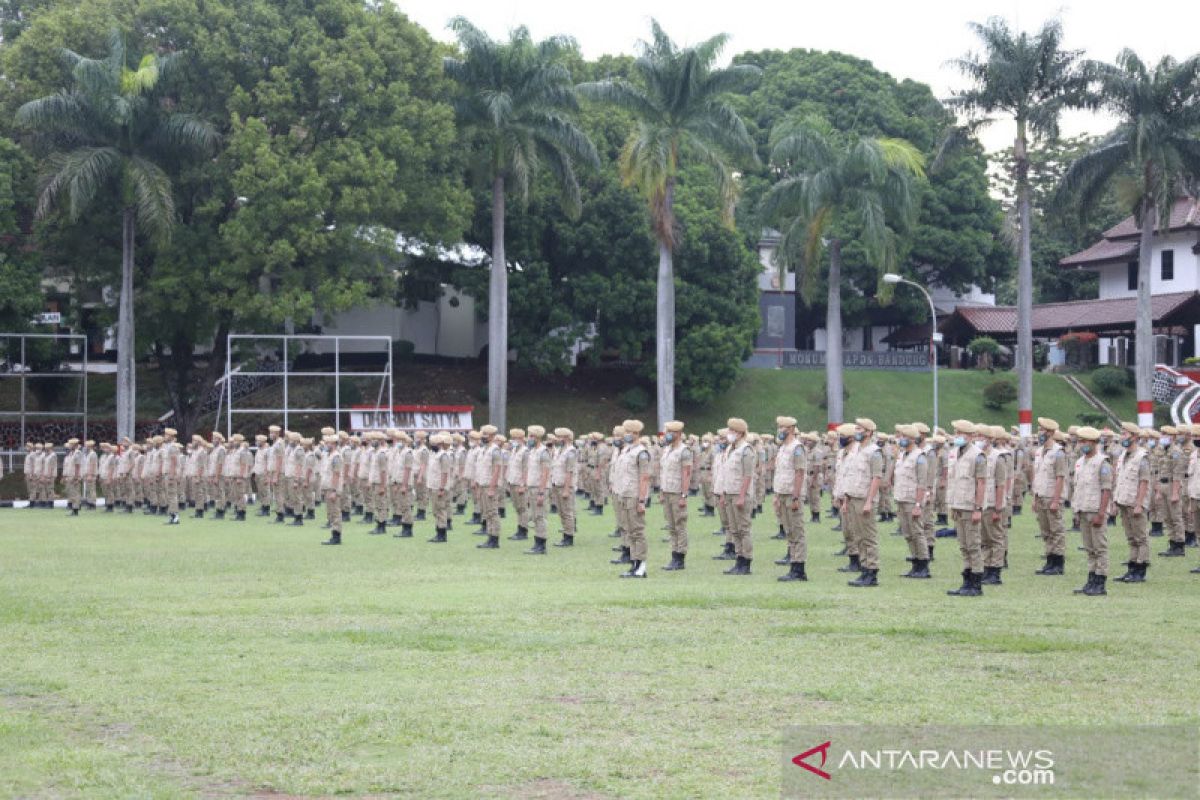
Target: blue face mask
(628, 438)
(720, 445)
(1042, 437)
(858, 437)
(1126, 442)
(530, 443)
(902, 441)
(843, 440)
(781, 436)
(960, 441)
(670, 437)
(1085, 448)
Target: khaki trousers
(993, 539)
(1137, 534)
(1050, 523)
(441, 508)
(333, 510)
(566, 508)
(677, 518)
(969, 543)
(866, 534)
(739, 525)
(792, 522)
(634, 525)
(536, 508)
(1095, 542)
(913, 530)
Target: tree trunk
(833, 335)
(126, 375)
(1144, 330)
(1024, 359)
(498, 315)
(665, 337)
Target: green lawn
(217, 658)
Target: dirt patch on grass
(544, 789)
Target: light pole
(934, 336)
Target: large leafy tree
(336, 136)
(1154, 156)
(1031, 78)
(829, 178)
(514, 111)
(107, 138)
(679, 99)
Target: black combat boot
(621, 559)
(742, 567)
(1097, 587)
(297, 520)
(1130, 571)
(538, 549)
(380, 529)
(476, 519)
(709, 511)
(263, 511)
(568, 540)
(109, 508)
(853, 566)
(172, 520)
(795, 573)
(521, 535)
(780, 534)
(783, 562)
(1090, 580)
(816, 516)
(368, 517)
(504, 515)
(200, 514)
(676, 562)
(1174, 550)
(597, 510)
(406, 531)
(1016, 510)
(991, 576)
(459, 510)
(869, 577)
(637, 569)
(335, 537)
(395, 520)
(969, 587)
(728, 554)
(1156, 529)
(941, 519)
(492, 543)
(345, 516)
(240, 516)
(1189, 539)
(439, 536)
(616, 534)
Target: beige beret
(1088, 433)
(535, 431)
(845, 429)
(907, 430)
(170, 432)
(1167, 430)
(737, 425)
(865, 423)
(618, 430)
(633, 426)
(922, 428)
(564, 433)
(785, 422)
(515, 433)
(1130, 427)
(674, 426)
(963, 426)
(273, 428)
(487, 430)
(1047, 424)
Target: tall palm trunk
(833, 335)
(1024, 290)
(1144, 330)
(666, 315)
(498, 314)
(126, 376)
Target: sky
(908, 40)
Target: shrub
(998, 394)
(635, 399)
(821, 399)
(402, 351)
(1096, 419)
(983, 344)
(349, 395)
(1110, 381)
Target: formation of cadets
(972, 478)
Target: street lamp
(934, 336)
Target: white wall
(1114, 278)
(438, 328)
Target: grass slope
(222, 658)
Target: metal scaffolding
(21, 375)
(385, 345)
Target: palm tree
(513, 112)
(107, 137)
(680, 114)
(1153, 156)
(1032, 79)
(830, 182)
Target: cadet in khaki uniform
(721, 451)
(262, 492)
(514, 477)
(488, 468)
(1091, 497)
(377, 482)
(216, 475)
(91, 471)
(1171, 483)
(704, 466)
(240, 463)
(402, 469)
(536, 485)
(631, 488)
(788, 483)
(332, 475)
(439, 482)
(73, 476)
(966, 491)
(675, 481)
(273, 495)
(738, 493)
(1049, 481)
(562, 476)
(993, 531)
(172, 471)
(604, 457)
(1131, 493)
(911, 489)
(618, 445)
(861, 478)
(932, 446)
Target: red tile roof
(1101, 251)
(1184, 214)
(1078, 315)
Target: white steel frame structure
(23, 412)
(283, 340)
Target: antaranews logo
(823, 749)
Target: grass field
(217, 658)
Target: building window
(1133, 276)
(1168, 265)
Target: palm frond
(154, 201)
(75, 178)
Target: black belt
(1164, 480)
